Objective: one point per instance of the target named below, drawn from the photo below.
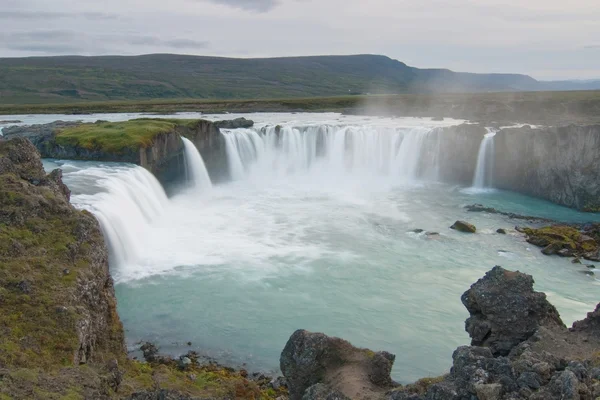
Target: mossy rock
(561, 237)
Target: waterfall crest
(276, 150)
(130, 200)
(484, 171)
(196, 172)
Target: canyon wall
(561, 164)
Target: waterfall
(196, 172)
(484, 172)
(131, 198)
(326, 149)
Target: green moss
(72, 394)
(116, 137)
(560, 236)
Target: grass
(118, 137)
(526, 107)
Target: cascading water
(317, 230)
(484, 171)
(197, 174)
(338, 150)
(129, 200)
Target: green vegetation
(118, 137)
(527, 107)
(559, 237)
(168, 76)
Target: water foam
(196, 172)
(277, 151)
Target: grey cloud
(144, 41)
(250, 5)
(172, 43)
(49, 48)
(594, 46)
(43, 36)
(34, 15)
(186, 44)
(44, 41)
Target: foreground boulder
(505, 310)
(463, 226)
(312, 358)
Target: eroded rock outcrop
(312, 358)
(57, 257)
(505, 310)
(559, 164)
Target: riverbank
(544, 108)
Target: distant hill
(163, 76)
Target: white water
(317, 238)
(270, 152)
(484, 172)
(196, 170)
(125, 199)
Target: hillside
(164, 76)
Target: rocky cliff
(520, 350)
(560, 164)
(162, 153)
(57, 303)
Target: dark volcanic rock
(505, 310)
(463, 226)
(323, 392)
(235, 123)
(312, 358)
(590, 325)
(491, 210)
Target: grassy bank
(115, 137)
(526, 107)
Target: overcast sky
(548, 39)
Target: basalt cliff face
(560, 164)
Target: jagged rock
(150, 351)
(463, 226)
(530, 380)
(278, 383)
(323, 392)
(492, 391)
(235, 123)
(590, 325)
(565, 385)
(311, 358)
(476, 366)
(505, 310)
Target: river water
(313, 232)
